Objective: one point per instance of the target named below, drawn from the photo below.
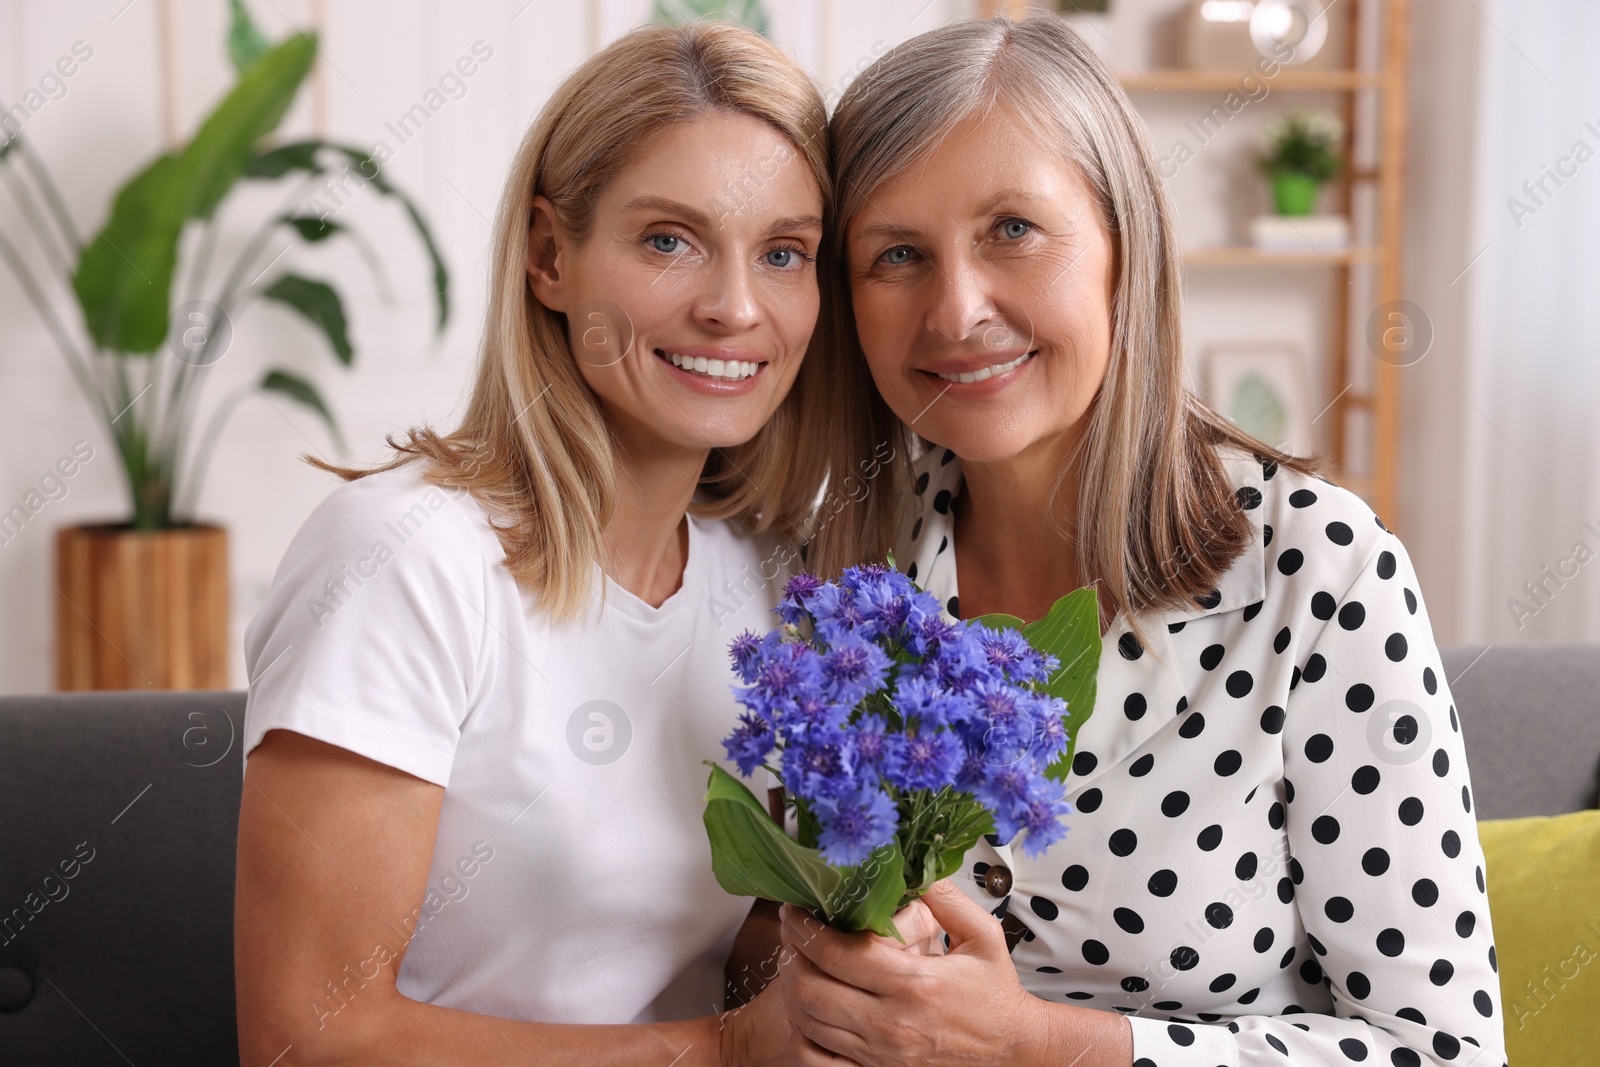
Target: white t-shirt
(571, 877)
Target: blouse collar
(928, 545)
(1129, 667)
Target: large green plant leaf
(124, 277)
(304, 156)
(301, 392)
(1070, 631)
(320, 304)
(752, 856)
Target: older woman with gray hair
(1272, 856)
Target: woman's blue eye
(897, 257)
(665, 242)
(1014, 228)
(780, 257)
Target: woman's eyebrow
(666, 206)
(1005, 195)
(869, 230)
(701, 221)
(792, 223)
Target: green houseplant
(1302, 154)
(140, 355)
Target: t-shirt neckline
(625, 600)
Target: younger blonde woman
(489, 670)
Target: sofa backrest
(118, 815)
(1531, 718)
(118, 818)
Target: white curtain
(1529, 376)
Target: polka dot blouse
(1272, 855)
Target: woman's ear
(546, 255)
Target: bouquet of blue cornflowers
(900, 737)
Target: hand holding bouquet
(901, 737)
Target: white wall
(378, 60)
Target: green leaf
(752, 856)
(124, 277)
(369, 167)
(276, 162)
(301, 392)
(302, 155)
(749, 13)
(222, 148)
(246, 44)
(320, 304)
(1070, 631)
(311, 228)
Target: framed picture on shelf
(1263, 388)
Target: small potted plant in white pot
(142, 602)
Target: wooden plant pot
(141, 609)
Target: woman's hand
(921, 933)
(754, 1035)
(861, 999)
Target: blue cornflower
(930, 629)
(1050, 733)
(1041, 822)
(1007, 791)
(929, 759)
(871, 735)
(854, 668)
(838, 615)
(1035, 668)
(749, 743)
(819, 766)
(1006, 711)
(811, 714)
(856, 824)
(967, 713)
(787, 669)
(1006, 649)
(927, 703)
(960, 662)
(746, 653)
(792, 609)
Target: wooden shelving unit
(1373, 407)
(1320, 81)
(1246, 256)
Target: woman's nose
(961, 304)
(729, 300)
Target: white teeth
(729, 370)
(985, 373)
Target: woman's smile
(996, 370)
(713, 370)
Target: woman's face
(988, 263)
(690, 303)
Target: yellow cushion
(1544, 898)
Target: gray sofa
(130, 959)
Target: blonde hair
(534, 446)
(1157, 524)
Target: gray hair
(1156, 524)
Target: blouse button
(997, 880)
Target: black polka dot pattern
(1251, 873)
